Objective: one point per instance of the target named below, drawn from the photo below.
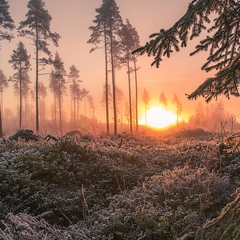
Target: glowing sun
(159, 117)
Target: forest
(69, 174)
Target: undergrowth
(95, 188)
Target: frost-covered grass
(97, 188)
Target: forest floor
(182, 185)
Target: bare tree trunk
(37, 112)
(60, 108)
(106, 72)
(55, 110)
(74, 107)
(113, 84)
(1, 133)
(129, 94)
(20, 95)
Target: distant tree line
(214, 118)
(163, 102)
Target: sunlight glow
(159, 117)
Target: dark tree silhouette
(99, 35)
(130, 41)
(37, 27)
(108, 22)
(59, 85)
(6, 22)
(21, 63)
(222, 43)
(6, 25)
(74, 89)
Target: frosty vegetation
(164, 186)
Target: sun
(159, 117)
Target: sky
(71, 19)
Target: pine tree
(37, 27)
(222, 43)
(74, 89)
(130, 41)
(6, 21)
(59, 85)
(6, 25)
(108, 22)
(21, 63)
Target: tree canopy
(222, 42)
(6, 21)
(108, 21)
(37, 27)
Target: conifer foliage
(130, 41)
(107, 24)
(37, 27)
(6, 21)
(20, 62)
(222, 42)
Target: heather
(156, 186)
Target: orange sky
(71, 19)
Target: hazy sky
(71, 19)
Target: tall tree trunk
(74, 106)
(37, 110)
(136, 92)
(55, 110)
(1, 110)
(129, 95)
(1, 133)
(106, 73)
(60, 108)
(2, 101)
(43, 111)
(113, 83)
(25, 111)
(85, 111)
(20, 95)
